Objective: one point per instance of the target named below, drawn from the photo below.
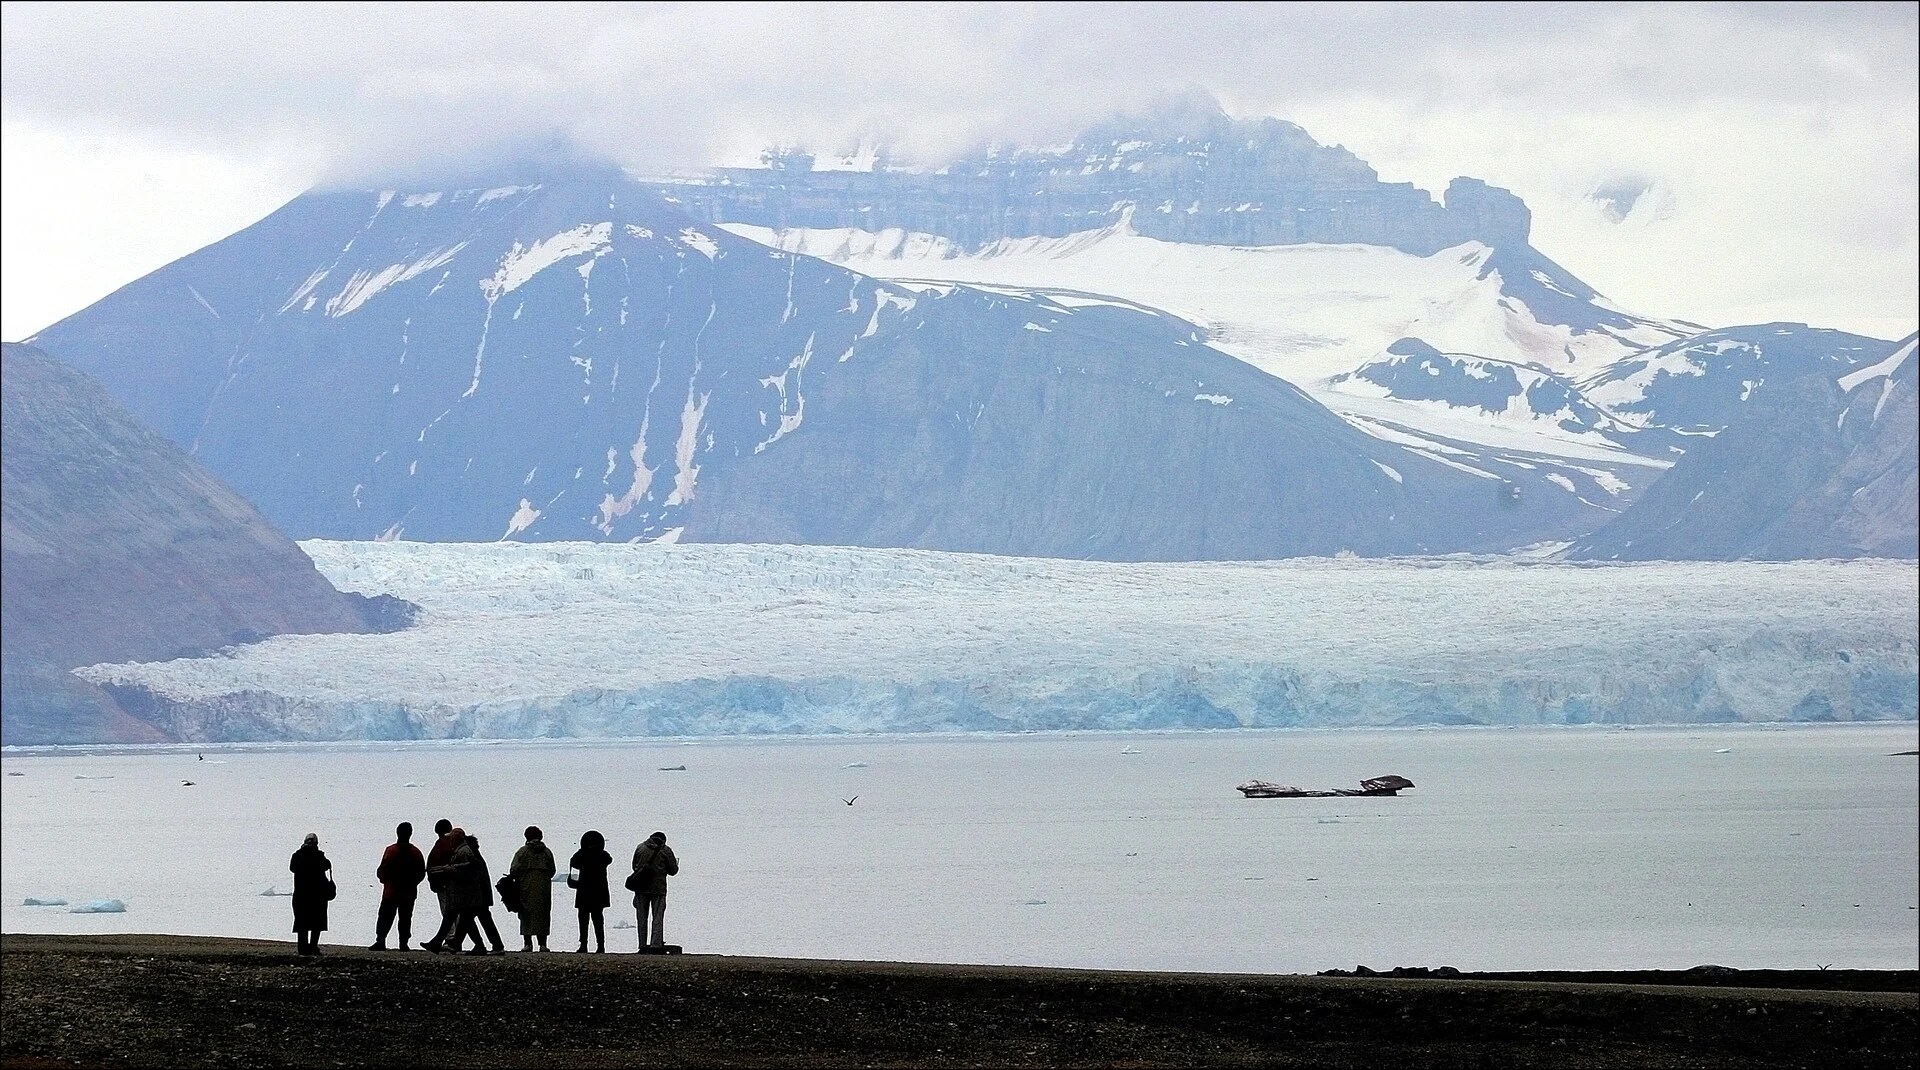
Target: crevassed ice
(593, 639)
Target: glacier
(583, 640)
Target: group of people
(455, 871)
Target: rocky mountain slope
(1814, 465)
(119, 547)
(576, 359)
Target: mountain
(1316, 315)
(1698, 384)
(577, 359)
(1817, 465)
(1192, 173)
(119, 547)
(1292, 255)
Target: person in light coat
(653, 863)
(533, 870)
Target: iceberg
(99, 906)
(30, 901)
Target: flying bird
(849, 802)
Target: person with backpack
(533, 870)
(440, 879)
(653, 863)
(400, 873)
(587, 875)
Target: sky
(1723, 164)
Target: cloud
(1802, 114)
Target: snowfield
(588, 640)
(1305, 313)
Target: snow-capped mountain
(1316, 314)
(1813, 465)
(1699, 384)
(1415, 371)
(576, 359)
(1193, 173)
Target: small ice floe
(30, 901)
(673, 769)
(1034, 903)
(271, 890)
(16, 774)
(559, 878)
(84, 776)
(1130, 749)
(1724, 750)
(621, 924)
(850, 765)
(186, 783)
(99, 906)
(411, 784)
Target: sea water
(1569, 848)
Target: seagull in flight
(849, 802)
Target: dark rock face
(1817, 466)
(119, 547)
(1191, 173)
(578, 360)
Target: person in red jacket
(438, 879)
(400, 873)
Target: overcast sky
(1776, 145)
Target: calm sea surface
(1520, 848)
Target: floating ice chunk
(673, 769)
(1034, 903)
(88, 776)
(272, 891)
(30, 901)
(856, 765)
(1130, 749)
(411, 784)
(99, 906)
(1724, 750)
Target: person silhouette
(439, 879)
(532, 869)
(473, 897)
(653, 863)
(587, 875)
(400, 872)
(312, 888)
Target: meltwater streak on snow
(578, 639)
(1523, 849)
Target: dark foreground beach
(190, 1001)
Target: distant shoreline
(200, 1001)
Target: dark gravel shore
(188, 1001)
